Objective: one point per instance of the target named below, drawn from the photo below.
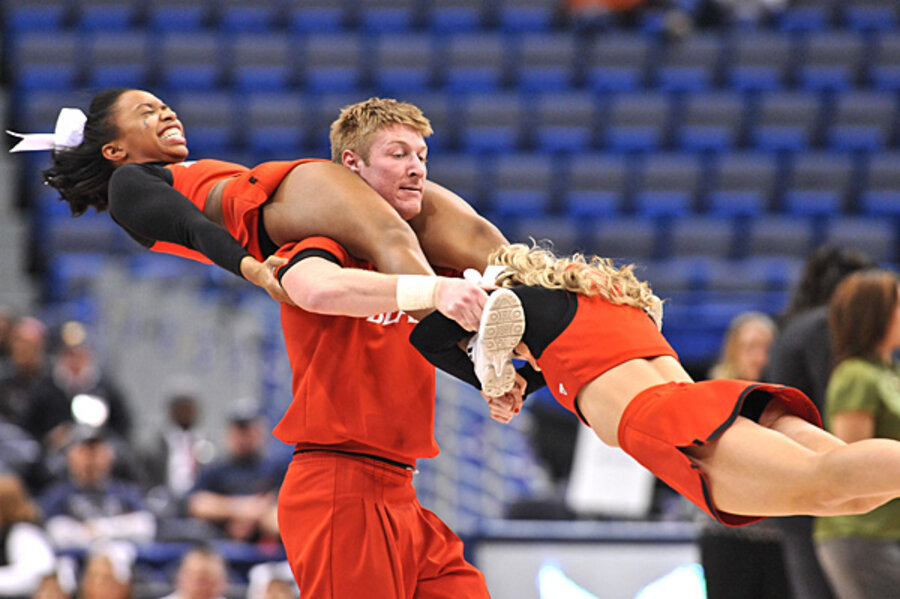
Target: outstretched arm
(319, 285)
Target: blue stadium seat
(246, 15)
(325, 109)
(177, 15)
(403, 63)
(190, 60)
(668, 184)
(562, 233)
(711, 121)
(262, 62)
(787, 120)
(72, 274)
(492, 122)
(818, 183)
(596, 185)
(276, 124)
(209, 122)
(703, 235)
(454, 16)
(316, 16)
(545, 61)
(831, 60)
(623, 238)
(46, 62)
(760, 61)
(807, 15)
(526, 15)
(677, 275)
(521, 185)
(742, 184)
(35, 15)
(636, 121)
(871, 15)
(876, 237)
(862, 121)
(880, 194)
(440, 109)
(462, 174)
(119, 59)
(106, 14)
(333, 62)
(618, 61)
(475, 62)
(378, 16)
(884, 68)
(691, 63)
(564, 121)
(38, 109)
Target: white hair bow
(68, 133)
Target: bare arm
(853, 426)
(452, 234)
(321, 286)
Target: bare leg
(760, 471)
(327, 199)
(451, 233)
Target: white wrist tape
(416, 292)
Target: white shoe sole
(501, 329)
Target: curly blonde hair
(592, 275)
(358, 123)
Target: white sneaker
(501, 329)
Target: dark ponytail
(81, 174)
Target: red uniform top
(601, 336)
(195, 180)
(358, 384)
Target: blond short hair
(589, 275)
(358, 123)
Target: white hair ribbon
(68, 133)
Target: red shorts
(352, 527)
(662, 419)
(245, 194)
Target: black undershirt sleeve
(547, 313)
(144, 203)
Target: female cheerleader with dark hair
(740, 450)
(128, 156)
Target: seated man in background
(202, 574)
(89, 504)
(238, 492)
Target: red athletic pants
(352, 528)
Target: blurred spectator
(202, 574)
(76, 390)
(89, 504)
(7, 318)
(271, 580)
(176, 454)
(51, 588)
(26, 555)
(801, 358)
(745, 351)
(27, 365)
(107, 572)
(745, 562)
(861, 553)
(238, 492)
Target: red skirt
(661, 420)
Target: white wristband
(416, 292)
